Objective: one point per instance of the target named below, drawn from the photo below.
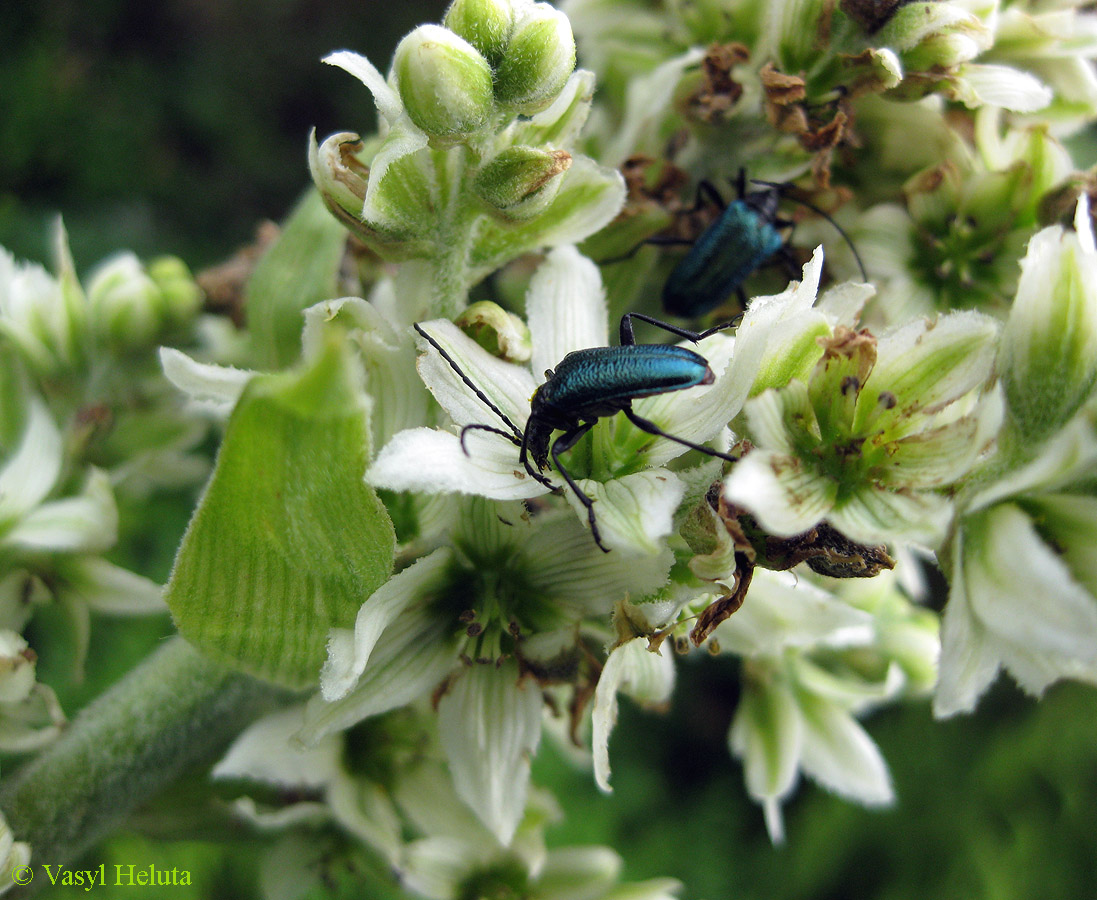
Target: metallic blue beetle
(745, 237)
(592, 384)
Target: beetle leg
(561, 445)
(651, 428)
(477, 427)
(706, 187)
(628, 339)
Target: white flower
(634, 497)
(795, 714)
(506, 588)
(1023, 585)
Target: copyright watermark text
(113, 876)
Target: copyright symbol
(22, 874)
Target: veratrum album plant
(459, 506)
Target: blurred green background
(177, 127)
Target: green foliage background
(177, 127)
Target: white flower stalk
(634, 498)
(872, 435)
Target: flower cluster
(433, 514)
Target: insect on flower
(592, 384)
(745, 237)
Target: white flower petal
(565, 308)
(31, 471)
(216, 388)
(489, 725)
(877, 515)
(785, 497)
(561, 558)
(428, 460)
(388, 101)
(633, 669)
(783, 611)
(1024, 594)
(110, 589)
(1002, 86)
(839, 754)
(348, 653)
(266, 752)
(635, 512)
(767, 735)
(88, 523)
(508, 386)
(416, 655)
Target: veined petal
(781, 419)
(489, 725)
(873, 515)
(31, 471)
(784, 611)
(926, 366)
(429, 460)
(1026, 596)
(560, 558)
(839, 754)
(767, 734)
(633, 669)
(216, 388)
(934, 457)
(506, 385)
(565, 308)
(108, 588)
(1069, 457)
(784, 495)
(634, 512)
(969, 662)
(266, 752)
(87, 524)
(417, 654)
(349, 652)
(1003, 86)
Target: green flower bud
(444, 81)
(538, 60)
(521, 181)
(485, 24)
(124, 302)
(499, 332)
(180, 296)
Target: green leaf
(288, 540)
(299, 270)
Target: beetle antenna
(818, 211)
(479, 393)
(477, 427)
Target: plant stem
(175, 710)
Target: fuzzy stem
(175, 710)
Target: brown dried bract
(224, 283)
(719, 92)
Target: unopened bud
(124, 301)
(521, 181)
(486, 24)
(444, 82)
(538, 61)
